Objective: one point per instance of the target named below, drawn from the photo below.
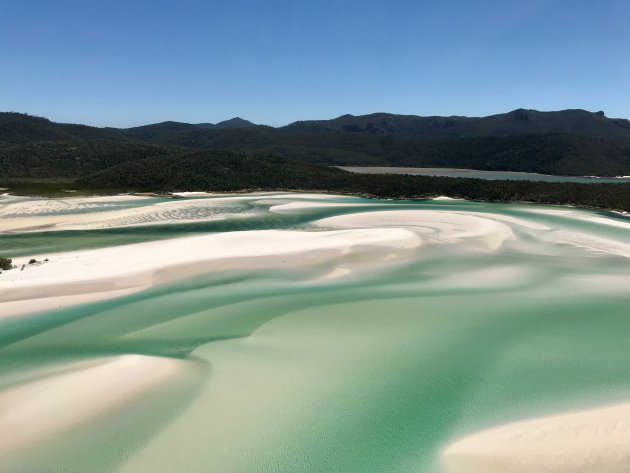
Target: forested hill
(569, 142)
(224, 172)
(34, 147)
(514, 123)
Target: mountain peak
(236, 122)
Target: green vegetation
(6, 264)
(226, 172)
(41, 157)
(570, 142)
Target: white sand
(56, 214)
(592, 441)
(95, 274)
(22, 214)
(194, 194)
(578, 215)
(27, 306)
(297, 206)
(435, 226)
(32, 410)
(591, 243)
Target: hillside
(35, 147)
(223, 171)
(213, 170)
(569, 142)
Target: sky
(127, 63)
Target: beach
(284, 331)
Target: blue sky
(125, 63)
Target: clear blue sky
(131, 62)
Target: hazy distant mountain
(570, 142)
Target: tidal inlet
(293, 332)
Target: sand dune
(592, 441)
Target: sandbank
(444, 197)
(27, 214)
(101, 273)
(578, 215)
(99, 213)
(589, 441)
(33, 410)
(591, 243)
(297, 206)
(435, 226)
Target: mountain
(35, 147)
(516, 122)
(164, 128)
(568, 142)
(236, 122)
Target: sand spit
(435, 226)
(33, 410)
(100, 272)
(596, 440)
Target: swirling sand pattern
(313, 333)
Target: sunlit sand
(326, 333)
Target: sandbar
(596, 440)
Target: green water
(375, 372)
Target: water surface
(374, 371)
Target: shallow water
(375, 371)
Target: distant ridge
(517, 122)
(169, 126)
(568, 142)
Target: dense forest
(225, 172)
(569, 142)
(238, 155)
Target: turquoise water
(373, 372)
